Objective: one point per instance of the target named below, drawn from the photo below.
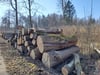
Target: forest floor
(22, 65)
(2, 64)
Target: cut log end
(47, 43)
(82, 73)
(64, 71)
(35, 54)
(45, 59)
(53, 58)
(32, 54)
(34, 42)
(68, 68)
(33, 36)
(40, 44)
(31, 30)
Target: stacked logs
(25, 41)
(48, 46)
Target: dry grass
(86, 36)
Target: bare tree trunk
(16, 14)
(30, 13)
(15, 9)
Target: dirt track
(22, 65)
(2, 63)
(2, 66)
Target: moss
(61, 36)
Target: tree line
(13, 17)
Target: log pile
(53, 58)
(25, 41)
(28, 39)
(51, 47)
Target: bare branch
(12, 5)
(25, 4)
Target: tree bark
(49, 31)
(48, 43)
(27, 38)
(78, 67)
(22, 49)
(29, 3)
(33, 36)
(29, 48)
(31, 30)
(28, 43)
(35, 54)
(25, 31)
(67, 68)
(20, 41)
(53, 58)
(16, 10)
(16, 14)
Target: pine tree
(68, 11)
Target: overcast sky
(51, 6)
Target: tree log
(35, 54)
(44, 45)
(53, 58)
(20, 41)
(24, 31)
(31, 30)
(22, 49)
(29, 48)
(28, 43)
(78, 67)
(34, 42)
(97, 50)
(56, 31)
(67, 68)
(27, 38)
(33, 36)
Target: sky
(83, 7)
